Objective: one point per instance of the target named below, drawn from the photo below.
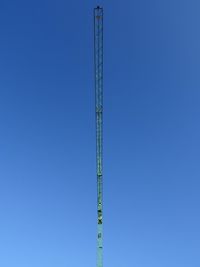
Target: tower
(98, 69)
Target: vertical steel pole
(98, 62)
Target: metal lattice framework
(98, 58)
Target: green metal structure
(98, 63)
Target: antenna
(98, 65)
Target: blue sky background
(151, 134)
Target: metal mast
(98, 62)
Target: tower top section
(98, 7)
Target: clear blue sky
(151, 134)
